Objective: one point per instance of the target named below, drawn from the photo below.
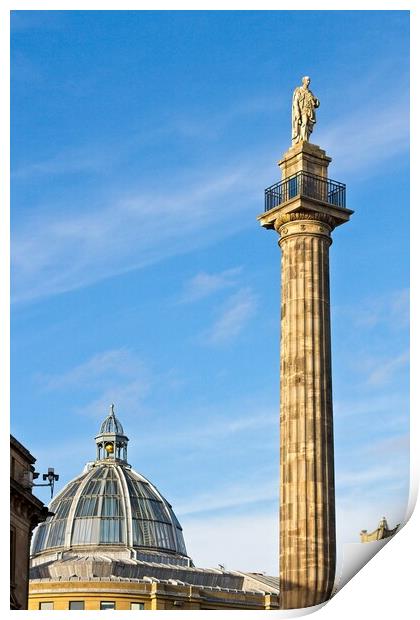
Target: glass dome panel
(56, 533)
(111, 507)
(142, 490)
(39, 537)
(51, 532)
(87, 506)
(97, 516)
(111, 531)
(63, 509)
(181, 548)
(86, 531)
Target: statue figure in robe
(303, 112)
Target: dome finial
(111, 409)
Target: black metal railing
(305, 184)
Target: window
(76, 604)
(49, 605)
(56, 533)
(137, 606)
(107, 604)
(111, 531)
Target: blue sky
(141, 146)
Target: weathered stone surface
(303, 111)
(382, 531)
(26, 511)
(92, 579)
(307, 496)
(307, 524)
(304, 157)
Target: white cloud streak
(96, 370)
(111, 376)
(220, 427)
(365, 409)
(392, 309)
(238, 310)
(398, 444)
(204, 284)
(367, 476)
(384, 371)
(234, 495)
(60, 251)
(84, 159)
(362, 140)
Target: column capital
(303, 216)
(314, 227)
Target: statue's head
(306, 80)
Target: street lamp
(50, 476)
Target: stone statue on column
(303, 112)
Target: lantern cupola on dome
(111, 443)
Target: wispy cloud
(205, 284)
(368, 406)
(384, 371)
(72, 161)
(366, 476)
(128, 397)
(398, 444)
(364, 495)
(378, 470)
(363, 139)
(232, 495)
(200, 126)
(96, 370)
(60, 250)
(221, 427)
(111, 376)
(379, 369)
(391, 309)
(238, 310)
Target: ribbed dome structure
(111, 508)
(111, 424)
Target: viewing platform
(304, 184)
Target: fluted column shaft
(307, 514)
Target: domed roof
(110, 505)
(111, 424)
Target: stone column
(307, 502)
(304, 221)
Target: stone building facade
(26, 511)
(382, 531)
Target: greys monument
(304, 208)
